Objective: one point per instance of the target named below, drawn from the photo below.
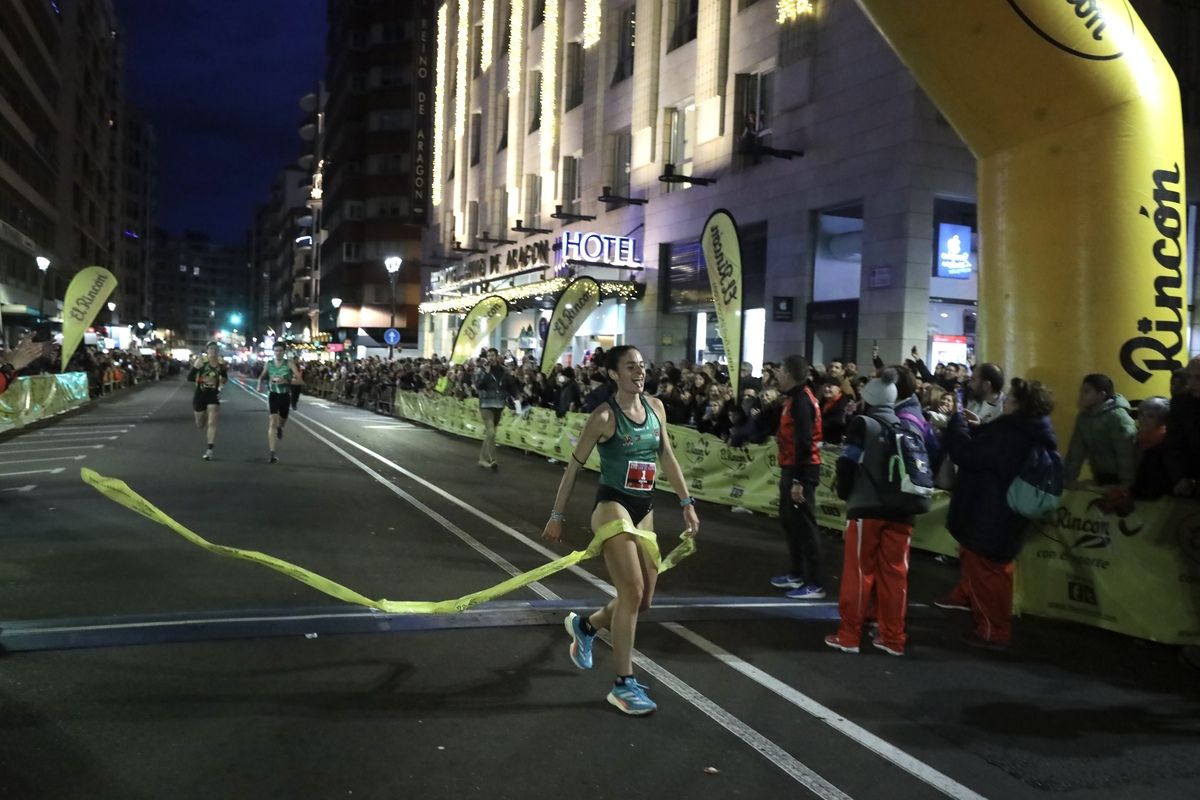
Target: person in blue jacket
(989, 457)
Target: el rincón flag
(575, 304)
(723, 253)
(481, 320)
(85, 297)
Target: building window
(472, 222)
(389, 120)
(535, 101)
(574, 75)
(571, 188)
(533, 201)
(685, 287)
(358, 82)
(392, 75)
(626, 25)
(351, 251)
(754, 102)
(684, 31)
(382, 207)
(681, 131)
(622, 146)
(477, 48)
(503, 124)
(539, 13)
(354, 210)
(388, 163)
(476, 137)
(744, 4)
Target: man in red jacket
(799, 440)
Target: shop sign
(514, 259)
(783, 308)
(954, 251)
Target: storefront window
(837, 261)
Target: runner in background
(628, 430)
(281, 373)
(210, 374)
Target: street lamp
(43, 264)
(392, 263)
(336, 302)
(112, 311)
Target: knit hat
(879, 393)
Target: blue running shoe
(809, 591)
(787, 581)
(581, 643)
(630, 697)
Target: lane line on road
(905, 761)
(51, 458)
(60, 441)
(100, 431)
(55, 449)
(21, 489)
(773, 752)
(54, 471)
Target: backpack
(1038, 487)
(909, 484)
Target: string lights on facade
(624, 290)
(591, 23)
(439, 104)
(460, 90)
(489, 24)
(790, 10)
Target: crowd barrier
(1137, 574)
(39, 396)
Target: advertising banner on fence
(723, 254)
(479, 324)
(85, 297)
(1137, 574)
(575, 304)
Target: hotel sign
(600, 248)
(595, 248)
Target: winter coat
(1105, 437)
(988, 458)
(1183, 438)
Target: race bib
(639, 476)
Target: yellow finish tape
(119, 492)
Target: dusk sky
(220, 82)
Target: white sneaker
(207, 455)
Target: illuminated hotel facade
(623, 124)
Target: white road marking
(60, 441)
(51, 458)
(53, 471)
(115, 431)
(900, 758)
(21, 489)
(394, 428)
(54, 449)
(782, 759)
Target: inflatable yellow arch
(1074, 117)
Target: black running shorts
(203, 398)
(280, 403)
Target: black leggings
(800, 526)
(638, 507)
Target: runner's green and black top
(280, 376)
(629, 461)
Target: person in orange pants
(986, 590)
(878, 529)
(874, 582)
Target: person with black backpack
(885, 476)
(1003, 469)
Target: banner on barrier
(1137, 574)
(39, 396)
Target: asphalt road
(137, 665)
